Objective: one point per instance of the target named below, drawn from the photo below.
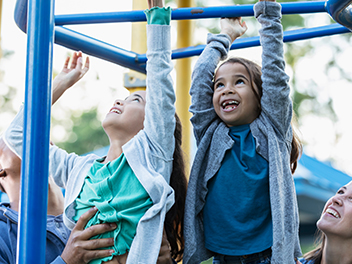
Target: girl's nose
(118, 102)
(336, 200)
(228, 90)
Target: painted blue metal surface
(289, 36)
(341, 11)
(186, 13)
(76, 41)
(35, 170)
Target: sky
(104, 81)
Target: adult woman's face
(336, 219)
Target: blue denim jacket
(56, 238)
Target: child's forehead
(231, 68)
(140, 93)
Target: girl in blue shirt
(241, 205)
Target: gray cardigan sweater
(149, 153)
(272, 132)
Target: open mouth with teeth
(332, 213)
(230, 104)
(114, 110)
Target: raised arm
(69, 75)
(159, 123)
(202, 77)
(276, 103)
(64, 80)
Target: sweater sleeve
(13, 135)
(159, 122)
(60, 162)
(202, 83)
(276, 102)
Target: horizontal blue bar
(186, 13)
(293, 35)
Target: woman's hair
(316, 254)
(255, 79)
(178, 181)
(2, 189)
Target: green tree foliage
(85, 135)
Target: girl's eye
(340, 191)
(239, 81)
(135, 100)
(219, 85)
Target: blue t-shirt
(237, 215)
(304, 261)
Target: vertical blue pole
(35, 169)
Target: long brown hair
(316, 254)
(255, 78)
(178, 181)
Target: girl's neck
(115, 151)
(337, 251)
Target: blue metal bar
(76, 41)
(341, 11)
(35, 170)
(293, 35)
(186, 13)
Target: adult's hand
(80, 248)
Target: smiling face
(234, 99)
(126, 116)
(336, 219)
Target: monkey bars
(43, 27)
(338, 9)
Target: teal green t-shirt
(120, 198)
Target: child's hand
(233, 27)
(69, 75)
(153, 3)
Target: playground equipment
(339, 10)
(43, 27)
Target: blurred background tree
(83, 134)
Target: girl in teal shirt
(130, 186)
